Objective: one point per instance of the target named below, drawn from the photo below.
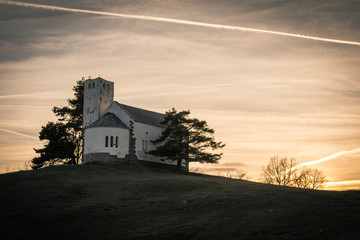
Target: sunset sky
(264, 94)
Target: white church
(118, 133)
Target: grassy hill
(130, 202)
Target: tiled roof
(108, 120)
(143, 116)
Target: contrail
(332, 156)
(17, 133)
(177, 21)
(13, 96)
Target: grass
(132, 202)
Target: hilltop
(131, 202)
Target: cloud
(343, 185)
(180, 21)
(343, 182)
(233, 164)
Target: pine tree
(63, 138)
(186, 139)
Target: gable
(142, 115)
(109, 119)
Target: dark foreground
(129, 202)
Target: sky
(264, 94)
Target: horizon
(265, 94)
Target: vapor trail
(177, 21)
(17, 133)
(332, 156)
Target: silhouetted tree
(63, 138)
(310, 178)
(186, 139)
(283, 171)
(279, 171)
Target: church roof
(143, 116)
(108, 120)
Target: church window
(104, 85)
(93, 85)
(116, 141)
(111, 141)
(108, 87)
(89, 86)
(106, 141)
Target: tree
(63, 139)
(283, 171)
(280, 171)
(238, 174)
(186, 138)
(310, 178)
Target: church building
(115, 132)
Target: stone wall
(106, 158)
(102, 158)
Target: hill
(130, 202)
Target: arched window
(111, 141)
(93, 85)
(106, 141)
(108, 87)
(89, 86)
(104, 85)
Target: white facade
(144, 134)
(116, 130)
(98, 140)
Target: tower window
(93, 85)
(116, 141)
(106, 141)
(104, 85)
(111, 141)
(89, 86)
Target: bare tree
(279, 171)
(310, 178)
(241, 174)
(283, 171)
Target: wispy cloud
(17, 133)
(179, 21)
(350, 182)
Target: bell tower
(98, 95)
